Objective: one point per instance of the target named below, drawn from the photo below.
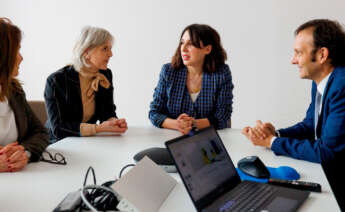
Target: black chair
(335, 174)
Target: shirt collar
(322, 85)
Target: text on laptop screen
(203, 163)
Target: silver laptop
(213, 184)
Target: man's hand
(264, 130)
(270, 127)
(255, 137)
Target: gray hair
(90, 37)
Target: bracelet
(28, 154)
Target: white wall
(257, 35)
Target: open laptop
(213, 184)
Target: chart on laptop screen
(203, 163)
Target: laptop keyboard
(249, 196)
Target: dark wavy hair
(205, 35)
(10, 38)
(329, 34)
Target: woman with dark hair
(195, 89)
(22, 136)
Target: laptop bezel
(215, 193)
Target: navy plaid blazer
(171, 97)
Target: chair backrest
(336, 177)
(39, 108)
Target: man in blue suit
(320, 56)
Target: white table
(41, 186)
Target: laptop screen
(203, 163)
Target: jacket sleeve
(158, 108)
(36, 138)
(107, 100)
(221, 118)
(56, 104)
(331, 140)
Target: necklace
(194, 83)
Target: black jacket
(31, 133)
(62, 95)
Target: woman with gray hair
(79, 95)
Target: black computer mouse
(253, 166)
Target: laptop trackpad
(281, 204)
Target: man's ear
(323, 55)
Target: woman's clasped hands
(112, 125)
(185, 123)
(13, 157)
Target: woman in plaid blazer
(195, 89)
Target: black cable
(87, 174)
(100, 199)
(126, 166)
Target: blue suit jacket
(299, 141)
(171, 97)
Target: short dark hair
(202, 33)
(329, 34)
(10, 37)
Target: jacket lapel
(19, 114)
(177, 92)
(73, 92)
(207, 92)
